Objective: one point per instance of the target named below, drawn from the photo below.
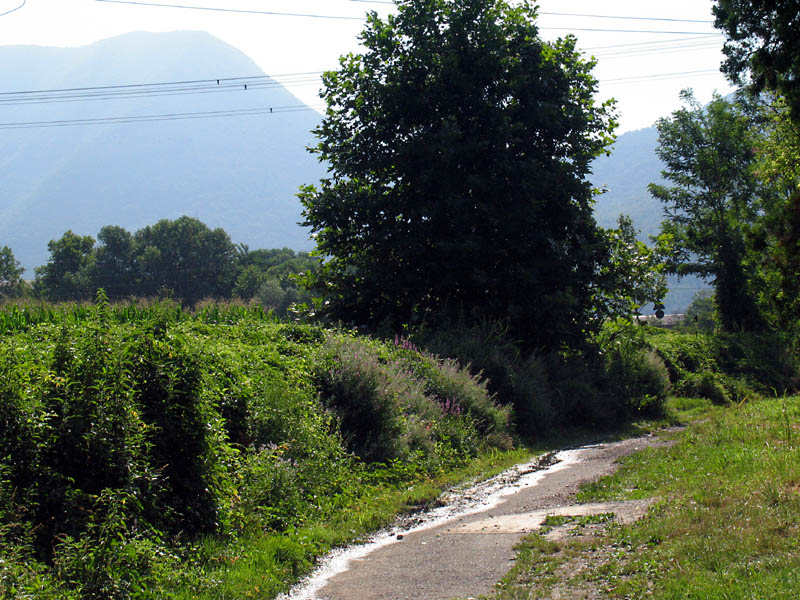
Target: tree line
(182, 259)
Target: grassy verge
(262, 565)
(725, 523)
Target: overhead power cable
(361, 18)
(658, 76)
(160, 117)
(582, 15)
(637, 44)
(205, 86)
(235, 10)
(8, 12)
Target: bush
(705, 385)
(517, 381)
(637, 378)
(382, 408)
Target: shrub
(378, 405)
(705, 385)
(636, 377)
(513, 379)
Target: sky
(644, 60)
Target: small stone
(400, 536)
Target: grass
(726, 523)
(248, 569)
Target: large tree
(459, 144)
(764, 43)
(712, 201)
(185, 257)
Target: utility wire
(140, 85)
(350, 18)
(8, 12)
(583, 15)
(160, 117)
(636, 44)
(239, 84)
(234, 10)
(658, 76)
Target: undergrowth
(148, 452)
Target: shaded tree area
(182, 259)
(11, 283)
(763, 37)
(459, 145)
(713, 201)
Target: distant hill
(238, 173)
(633, 165)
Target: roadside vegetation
(461, 302)
(724, 524)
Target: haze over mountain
(633, 165)
(238, 173)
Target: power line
(8, 12)
(657, 76)
(160, 117)
(582, 15)
(138, 85)
(604, 30)
(635, 44)
(351, 18)
(156, 90)
(618, 17)
(234, 10)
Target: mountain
(240, 173)
(625, 174)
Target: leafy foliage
(182, 259)
(459, 143)
(130, 436)
(713, 200)
(11, 285)
(762, 43)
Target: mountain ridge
(238, 173)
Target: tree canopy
(183, 259)
(713, 200)
(763, 42)
(458, 146)
(10, 274)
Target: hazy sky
(643, 71)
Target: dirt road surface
(462, 549)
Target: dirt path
(463, 549)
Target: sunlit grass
(726, 524)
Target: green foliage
(762, 44)
(713, 199)
(186, 257)
(741, 363)
(631, 274)
(181, 259)
(132, 436)
(11, 284)
(705, 384)
(66, 274)
(637, 377)
(701, 315)
(458, 164)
